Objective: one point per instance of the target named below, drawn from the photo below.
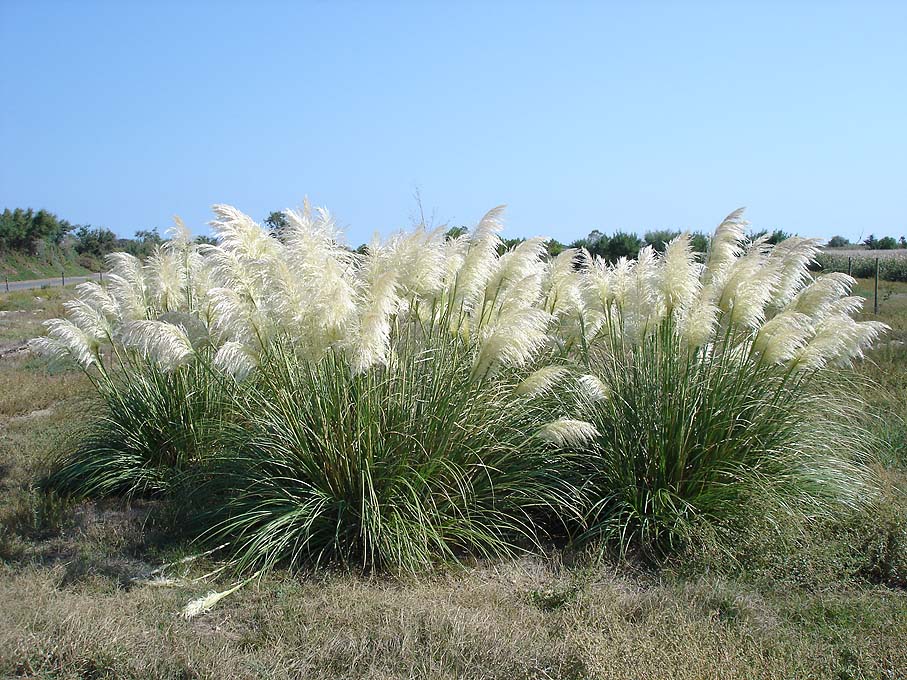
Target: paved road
(43, 283)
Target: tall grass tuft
(146, 428)
(395, 467)
(720, 389)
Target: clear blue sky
(578, 116)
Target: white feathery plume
(697, 322)
(679, 273)
(315, 288)
(748, 286)
(724, 248)
(597, 282)
(479, 261)
(126, 285)
(780, 338)
(206, 602)
(65, 341)
(838, 340)
(592, 388)
(791, 259)
(372, 337)
(99, 298)
(165, 344)
(454, 255)
(240, 234)
(847, 305)
(512, 340)
(542, 381)
(167, 277)
(179, 234)
(562, 285)
(237, 317)
(643, 307)
(526, 292)
(816, 298)
(92, 321)
(517, 265)
(621, 280)
(235, 359)
(567, 432)
(418, 257)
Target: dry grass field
(94, 590)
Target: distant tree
(455, 232)
(277, 222)
(95, 242)
(887, 243)
(659, 238)
(555, 247)
(871, 242)
(596, 243)
(24, 229)
(838, 242)
(508, 244)
(775, 237)
(699, 242)
(623, 244)
(204, 240)
(902, 242)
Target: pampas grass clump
(723, 387)
(433, 398)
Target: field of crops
(276, 458)
(862, 263)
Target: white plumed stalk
(512, 340)
(724, 248)
(478, 262)
(371, 340)
(164, 343)
(568, 432)
(64, 341)
(542, 381)
(679, 277)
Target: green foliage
(95, 242)
(887, 243)
(774, 237)
(148, 427)
(23, 230)
(276, 223)
(838, 242)
(394, 467)
(610, 248)
(659, 238)
(689, 440)
(699, 242)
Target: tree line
(41, 232)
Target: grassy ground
(19, 267)
(79, 599)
